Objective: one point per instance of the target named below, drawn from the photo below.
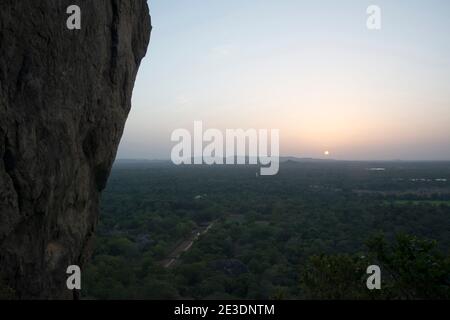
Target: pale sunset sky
(309, 68)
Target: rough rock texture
(64, 99)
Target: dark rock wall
(64, 99)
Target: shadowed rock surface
(64, 99)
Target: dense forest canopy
(210, 232)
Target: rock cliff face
(64, 99)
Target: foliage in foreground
(411, 268)
(6, 293)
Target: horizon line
(304, 158)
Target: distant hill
(282, 159)
(295, 159)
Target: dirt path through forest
(185, 246)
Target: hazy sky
(309, 68)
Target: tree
(411, 268)
(335, 277)
(6, 293)
(416, 267)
